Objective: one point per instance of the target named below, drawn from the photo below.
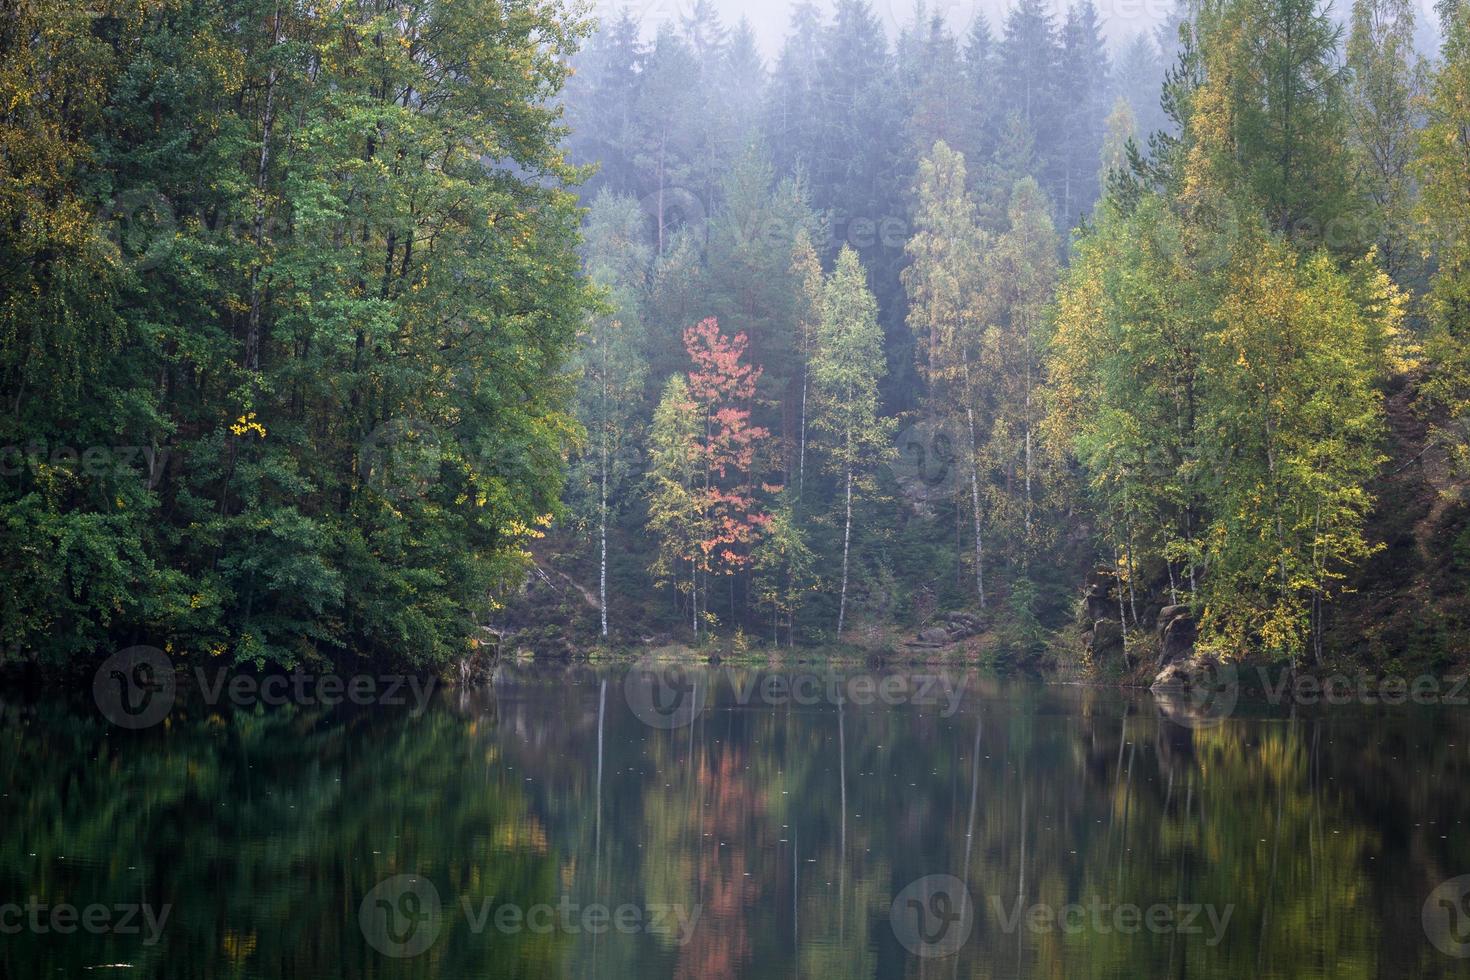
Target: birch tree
(847, 361)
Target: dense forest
(406, 331)
(1023, 325)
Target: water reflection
(554, 832)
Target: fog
(1121, 19)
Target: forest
(418, 331)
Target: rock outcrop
(951, 627)
(1177, 634)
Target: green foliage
(328, 286)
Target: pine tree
(1027, 76)
(742, 85)
(601, 98)
(748, 276)
(981, 83)
(1082, 91)
(793, 122)
(1273, 120)
(668, 149)
(854, 168)
(1138, 77)
(935, 108)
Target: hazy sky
(1121, 18)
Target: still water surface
(566, 824)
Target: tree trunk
(1122, 615)
(602, 573)
(975, 506)
(975, 486)
(801, 454)
(267, 124)
(1132, 575)
(602, 577)
(846, 546)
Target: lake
(714, 822)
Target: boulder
(962, 623)
(935, 635)
(1098, 607)
(1179, 635)
(1170, 613)
(1102, 601)
(1196, 692)
(1107, 640)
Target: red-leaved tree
(722, 387)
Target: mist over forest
(514, 489)
(1015, 333)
